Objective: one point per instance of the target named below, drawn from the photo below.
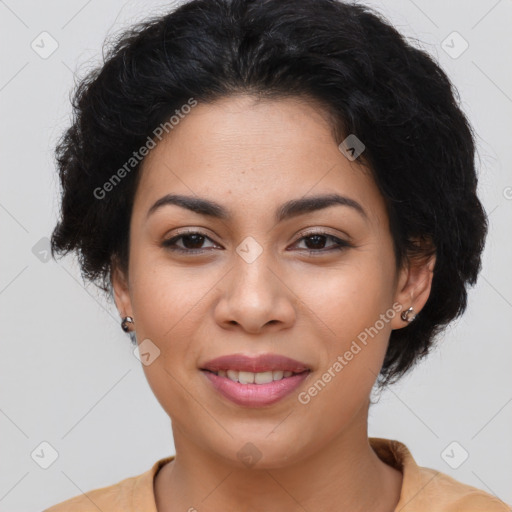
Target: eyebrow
(292, 208)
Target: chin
(272, 451)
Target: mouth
(244, 377)
(255, 381)
(255, 364)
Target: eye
(316, 241)
(192, 242)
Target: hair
(419, 146)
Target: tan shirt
(423, 489)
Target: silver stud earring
(408, 315)
(125, 323)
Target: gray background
(68, 376)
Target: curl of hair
(372, 82)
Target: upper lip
(255, 364)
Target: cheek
(167, 302)
(162, 291)
(349, 298)
(352, 308)
(166, 305)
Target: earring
(408, 315)
(124, 324)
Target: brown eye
(316, 242)
(192, 242)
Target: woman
(280, 197)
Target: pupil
(317, 238)
(196, 243)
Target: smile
(254, 378)
(250, 389)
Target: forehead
(250, 153)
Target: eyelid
(322, 231)
(184, 232)
(302, 233)
(341, 242)
(188, 231)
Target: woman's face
(268, 277)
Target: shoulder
(426, 489)
(108, 499)
(133, 493)
(455, 496)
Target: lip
(255, 395)
(255, 364)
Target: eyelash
(340, 244)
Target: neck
(344, 474)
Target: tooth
(233, 375)
(246, 377)
(254, 378)
(263, 377)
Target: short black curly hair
(420, 147)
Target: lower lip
(255, 395)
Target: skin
(251, 156)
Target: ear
(415, 279)
(121, 290)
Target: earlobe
(413, 290)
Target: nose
(256, 297)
